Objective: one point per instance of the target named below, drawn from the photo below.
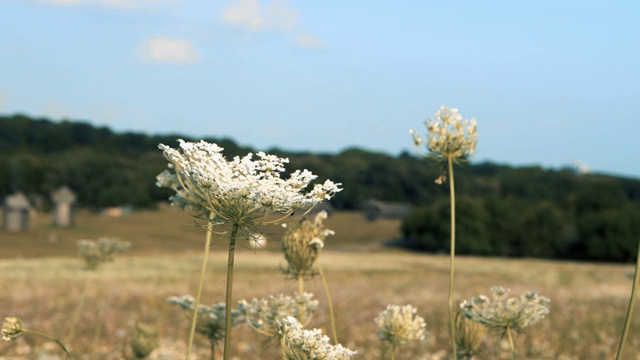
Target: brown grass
(171, 231)
(587, 310)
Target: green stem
(213, 349)
(229, 297)
(513, 348)
(196, 306)
(330, 303)
(300, 283)
(283, 352)
(632, 300)
(452, 324)
(50, 338)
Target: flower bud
(11, 328)
(143, 340)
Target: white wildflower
(96, 252)
(241, 190)
(449, 136)
(263, 315)
(502, 313)
(400, 324)
(302, 243)
(300, 344)
(211, 319)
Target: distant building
(376, 209)
(63, 209)
(15, 214)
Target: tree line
(501, 210)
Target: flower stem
(301, 310)
(632, 300)
(330, 303)
(229, 297)
(300, 283)
(196, 305)
(50, 338)
(513, 348)
(452, 324)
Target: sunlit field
(43, 281)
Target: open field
(587, 310)
(171, 231)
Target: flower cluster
(449, 136)
(239, 191)
(300, 344)
(263, 315)
(12, 328)
(97, 252)
(400, 324)
(302, 242)
(502, 313)
(211, 319)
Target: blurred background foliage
(501, 210)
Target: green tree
(540, 231)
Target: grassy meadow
(44, 284)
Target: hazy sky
(549, 82)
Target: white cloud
(280, 15)
(277, 15)
(244, 13)
(170, 50)
(309, 41)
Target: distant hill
(566, 213)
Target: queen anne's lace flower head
(302, 243)
(300, 344)
(400, 324)
(241, 190)
(502, 313)
(263, 315)
(449, 136)
(211, 319)
(96, 252)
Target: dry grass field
(43, 282)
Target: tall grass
(587, 315)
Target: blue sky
(549, 82)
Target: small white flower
(400, 324)
(449, 136)
(300, 344)
(263, 315)
(502, 313)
